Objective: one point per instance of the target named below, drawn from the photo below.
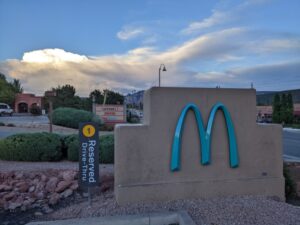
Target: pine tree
(290, 109)
(283, 108)
(276, 109)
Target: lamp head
(164, 69)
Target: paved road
(291, 145)
(24, 120)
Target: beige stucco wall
(142, 152)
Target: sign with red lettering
(111, 113)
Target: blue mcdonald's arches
(204, 135)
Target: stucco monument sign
(197, 143)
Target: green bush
(69, 117)
(2, 124)
(290, 186)
(71, 143)
(106, 149)
(31, 147)
(35, 110)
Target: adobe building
(197, 143)
(23, 102)
(264, 113)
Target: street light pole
(163, 67)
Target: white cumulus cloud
(52, 56)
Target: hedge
(106, 150)
(70, 117)
(50, 147)
(31, 147)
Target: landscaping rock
(39, 195)
(9, 196)
(14, 205)
(4, 187)
(74, 186)
(66, 193)
(38, 214)
(22, 186)
(19, 175)
(62, 185)
(69, 175)
(36, 189)
(54, 198)
(31, 189)
(51, 184)
(46, 209)
(44, 178)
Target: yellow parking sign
(88, 130)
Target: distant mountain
(266, 97)
(262, 97)
(135, 99)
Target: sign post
(88, 156)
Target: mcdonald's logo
(204, 135)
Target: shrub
(10, 125)
(71, 143)
(106, 149)
(290, 186)
(105, 127)
(69, 117)
(35, 110)
(2, 124)
(31, 147)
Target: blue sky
(120, 44)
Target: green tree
(290, 109)
(113, 97)
(65, 97)
(283, 109)
(17, 86)
(276, 118)
(7, 92)
(98, 96)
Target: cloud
(52, 56)
(216, 18)
(220, 17)
(128, 33)
(275, 76)
(137, 69)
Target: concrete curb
(181, 217)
